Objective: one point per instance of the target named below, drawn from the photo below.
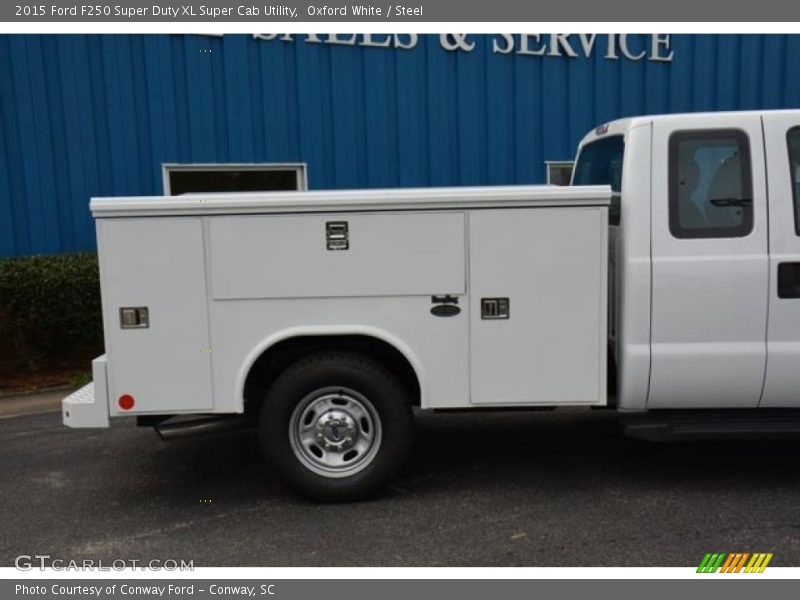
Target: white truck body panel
(226, 277)
(709, 295)
(157, 264)
(629, 268)
(281, 256)
(437, 348)
(782, 380)
(553, 348)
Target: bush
(50, 307)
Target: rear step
(674, 426)
(173, 430)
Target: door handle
(789, 280)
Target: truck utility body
(223, 279)
(673, 262)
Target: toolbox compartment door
(538, 306)
(337, 255)
(157, 264)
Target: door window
(710, 184)
(793, 140)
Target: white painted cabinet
(287, 256)
(164, 364)
(538, 316)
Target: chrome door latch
(495, 308)
(134, 317)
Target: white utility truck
(668, 274)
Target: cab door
(709, 262)
(782, 382)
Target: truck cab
(704, 257)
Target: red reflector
(126, 402)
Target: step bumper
(88, 406)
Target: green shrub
(50, 307)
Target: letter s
(509, 47)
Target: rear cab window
(600, 163)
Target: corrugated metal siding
(98, 115)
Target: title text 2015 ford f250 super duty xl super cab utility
(670, 268)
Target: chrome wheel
(335, 432)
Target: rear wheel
(337, 426)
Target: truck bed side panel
(274, 277)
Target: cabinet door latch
(134, 317)
(495, 308)
(337, 235)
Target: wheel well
(276, 358)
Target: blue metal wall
(97, 115)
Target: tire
(337, 426)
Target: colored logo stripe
(758, 563)
(734, 562)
